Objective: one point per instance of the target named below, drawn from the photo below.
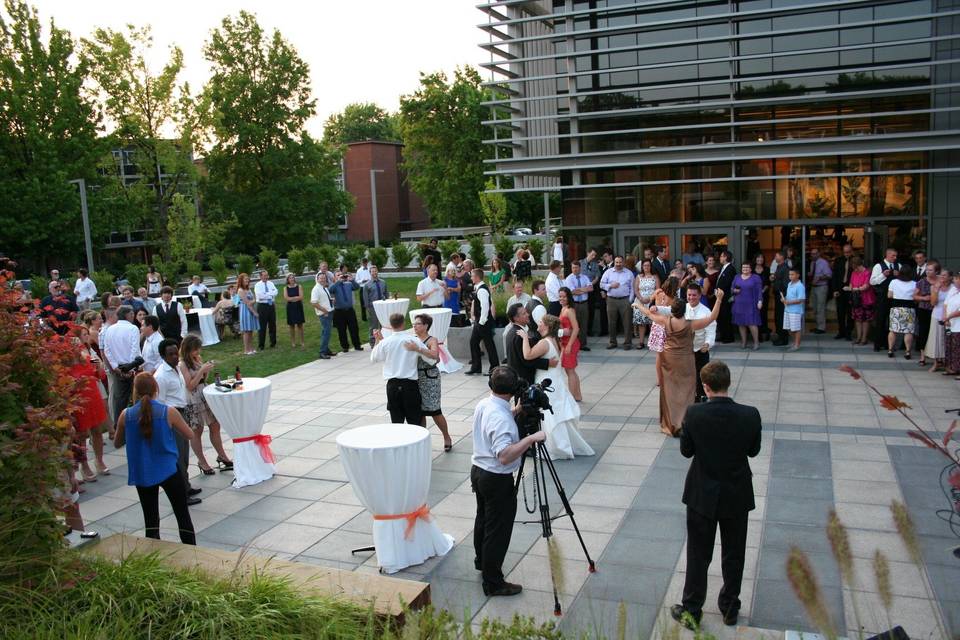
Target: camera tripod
(542, 465)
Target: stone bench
(386, 595)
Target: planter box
(458, 342)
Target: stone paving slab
(825, 445)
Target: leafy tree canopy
(358, 122)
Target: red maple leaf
(955, 478)
(916, 435)
(893, 403)
(853, 372)
(949, 434)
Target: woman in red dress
(570, 342)
(91, 418)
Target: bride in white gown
(563, 439)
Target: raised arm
(653, 314)
(702, 323)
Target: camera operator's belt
(422, 513)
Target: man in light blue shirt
(618, 285)
(580, 286)
(497, 451)
(344, 317)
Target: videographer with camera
(497, 452)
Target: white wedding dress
(563, 439)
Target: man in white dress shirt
(553, 282)
(121, 346)
(519, 297)
(150, 351)
(85, 290)
(172, 391)
(199, 289)
(398, 353)
(883, 273)
(324, 270)
(323, 307)
(173, 319)
(266, 294)
(362, 277)
(484, 319)
(703, 339)
(431, 290)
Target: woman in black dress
(293, 294)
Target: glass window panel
(806, 61)
(901, 31)
(903, 9)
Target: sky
(358, 50)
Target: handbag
(856, 297)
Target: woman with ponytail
(147, 429)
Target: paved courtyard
(826, 445)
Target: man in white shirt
(554, 281)
(456, 261)
(326, 272)
(172, 391)
(266, 293)
(362, 277)
(199, 289)
(430, 290)
(121, 346)
(883, 273)
(85, 290)
(150, 351)
(173, 319)
(703, 339)
(398, 353)
(147, 302)
(519, 297)
(323, 306)
(484, 319)
(497, 449)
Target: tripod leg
(545, 523)
(566, 505)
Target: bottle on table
(238, 377)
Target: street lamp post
(373, 205)
(86, 221)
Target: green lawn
(229, 353)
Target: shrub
(536, 247)
(329, 254)
(378, 256)
(353, 254)
(402, 255)
(448, 247)
(296, 261)
(136, 275)
(478, 250)
(37, 394)
(169, 272)
(245, 264)
(193, 268)
(269, 261)
(104, 281)
(38, 287)
(218, 265)
(503, 247)
(311, 256)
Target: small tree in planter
(218, 265)
(296, 261)
(503, 247)
(402, 255)
(536, 247)
(136, 275)
(270, 261)
(448, 247)
(478, 250)
(245, 264)
(378, 257)
(311, 255)
(38, 287)
(104, 281)
(353, 254)
(329, 254)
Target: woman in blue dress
(249, 320)
(747, 303)
(452, 301)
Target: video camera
(130, 366)
(533, 401)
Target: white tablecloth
(241, 414)
(389, 469)
(208, 327)
(386, 308)
(439, 330)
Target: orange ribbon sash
(423, 513)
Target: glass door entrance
(687, 244)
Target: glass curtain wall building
(747, 125)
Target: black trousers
(701, 358)
(701, 532)
(593, 303)
(844, 320)
(121, 396)
(177, 495)
(493, 526)
(881, 323)
(344, 319)
(923, 327)
(403, 401)
(725, 321)
(183, 455)
(553, 308)
(268, 320)
(484, 333)
(778, 310)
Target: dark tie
(379, 295)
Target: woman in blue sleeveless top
(147, 428)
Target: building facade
(747, 125)
(398, 208)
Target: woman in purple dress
(747, 302)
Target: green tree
(360, 121)
(184, 237)
(279, 183)
(494, 207)
(147, 108)
(48, 136)
(442, 131)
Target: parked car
(522, 231)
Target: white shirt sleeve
(484, 305)
(876, 276)
(710, 334)
(183, 320)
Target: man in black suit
(725, 283)
(661, 265)
(839, 280)
(526, 369)
(536, 300)
(719, 435)
(779, 279)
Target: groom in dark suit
(526, 369)
(719, 435)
